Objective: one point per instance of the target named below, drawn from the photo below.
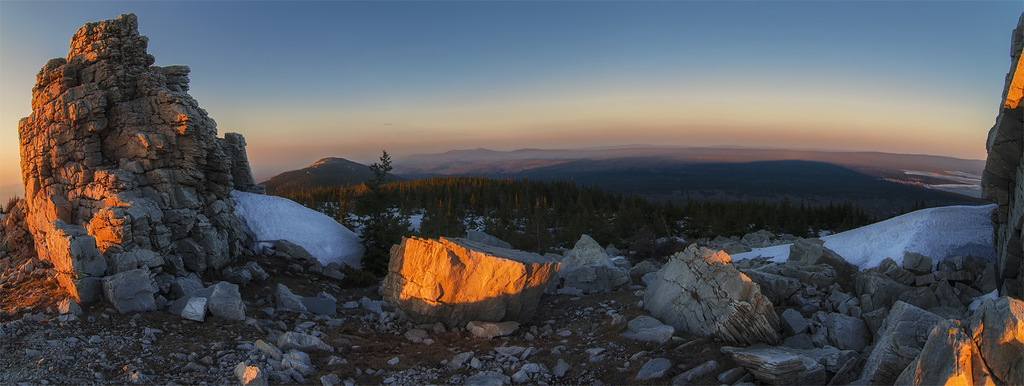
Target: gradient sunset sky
(306, 80)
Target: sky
(307, 80)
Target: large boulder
(949, 357)
(586, 252)
(997, 327)
(900, 339)
(456, 281)
(120, 162)
(701, 292)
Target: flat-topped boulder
(456, 281)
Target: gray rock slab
(647, 329)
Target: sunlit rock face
(117, 156)
(456, 281)
(699, 291)
(1003, 180)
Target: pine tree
(382, 225)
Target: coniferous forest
(543, 215)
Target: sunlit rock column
(117, 157)
(1003, 179)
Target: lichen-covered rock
(456, 281)
(949, 357)
(701, 292)
(118, 157)
(1003, 179)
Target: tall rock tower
(122, 169)
(1003, 180)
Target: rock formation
(119, 162)
(701, 292)
(1003, 179)
(457, 281)
(949, 357)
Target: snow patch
(939, 233)
(275, 218)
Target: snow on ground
(276, 218)
(939, 233)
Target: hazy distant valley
(881, 183)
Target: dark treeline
(541, 215)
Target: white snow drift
(939, 233)
(271, 218)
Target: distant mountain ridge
(326, 172)
(486, 161)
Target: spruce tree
(382, 225)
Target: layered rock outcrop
(119, 161)
(1003, 179)
(456, 281)
(701, 292)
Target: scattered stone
(487, 378)
(286, 300)
(267, 348)
(298, 361)
(330, 380)
(701, 292)
(459, 360)
(561, 367)
(653, 369)
(416, 335)
(490, 330)
(250, 375)
(194, 309)
(69, 306)
(648, 329)
(302, 342)
(701, 370)
(225, 301)
(393, 361)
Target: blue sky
(306, 80)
